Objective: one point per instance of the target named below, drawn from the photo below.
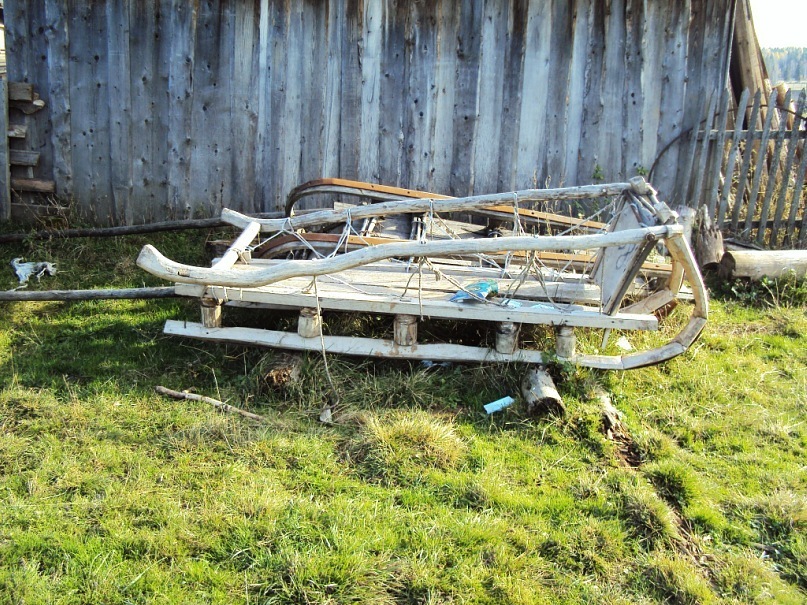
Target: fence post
(5, 177)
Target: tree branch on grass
(220, 405)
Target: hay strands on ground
(219, 405)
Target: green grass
(112, 494)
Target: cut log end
(540, 393)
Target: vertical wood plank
(5, 177)
(735, 146)
(314, 85)
(182, 29)
(58, 60)
(210, 186)
(333, 92)
(350, 120)
(772, 173)
(529, 161)
(292, 102)
(120, 111)
(448, 21)
(684, 179)
(394, 76)
(581, 30)
(82, 95)
(489, 98)
(557, 102)
(592, 101)
(245, 104)
(762, 152)
(652, 59)
(718, 154)
(422, 95)
(795, 205)
(792, 146)
(746, 165)
(263, 169)
(511, 99)
(466, 113)
(370, 90)
(613, 85)
(697, 192)
(632, 130)
(673, 97)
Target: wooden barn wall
(169, 108)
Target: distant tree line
(788, 64)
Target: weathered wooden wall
(168, 108)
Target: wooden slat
(34, 185)
(244, 103)
(718, 155)
(430, 304)
(795, 203)
(5, 179)
(182, 34)
(773, 172)
(793, 145)
(20, 91)
(120, 111)
(762, 155)
(58, 60)
(697, 191)
(746, 165)
(556, 92)
(16, 131)
(350, 345)
(735, 146)
(19, 157)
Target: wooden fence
(746, 163)
(160, 109)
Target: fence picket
(758, 168)
(735, 146)
(774, 169)
(697, 194)
(795, 202)
(746, 165)
(719, 153)
(793, 144)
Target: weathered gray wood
(5, 177)
(244, 104)
(773, 171)
(793, 145)
(718, 155)
(58, 57)
(182, 20)
(794, 204)
(697, 190)
(762, 154)
(120, 110)
(66, 295)
(746, 165)
(732, 159)
(511, 92)
(756, 264)
(19, 157)
(16, 131)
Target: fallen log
(65, 295)
(756, 264)
(540, 393)
(201, 223)
(219, 405)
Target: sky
(780, 22)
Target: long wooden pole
(64, 295)
(155, 263)
(419, 206)
(202, 223)
(220, 405)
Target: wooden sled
(568, 281)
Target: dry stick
(224, 407)
(203, 223)
(64, 295)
